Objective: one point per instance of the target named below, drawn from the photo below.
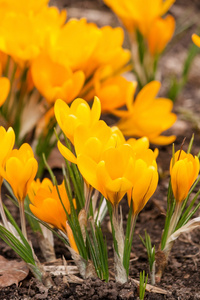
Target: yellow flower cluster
(106, 161)
(50, 58)
(61, 57)
(146, 17)
(77, 52)
(19, 168)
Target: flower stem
(174, 222)
(132, 227)
(88, 193)
(22, 218)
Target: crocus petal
(180, 181)
(96, 110)
(88, 168)
(144, 189)
(166, 6)
(148, 92)
(163, 140)
(66, 153)
(4, 89)
(196, 39)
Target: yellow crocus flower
(139, 14)
(184, 169)
(114, 92)
(108, 51)
(112, 179)
(54, 80)
(33, 21)
(83, 46)
(46, 205)
(46, 183)
(145, 181)
(69, 118)
(91, 141)
(196, 39)
(144, 185)
(20, 169)
(148, 116)
(160, 34)
(24, 46)
(74, 43)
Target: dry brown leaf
(61, 270)
(120, 272)
(46, 247)
(72, 279)
(189, 226)
(79, 261)
(12, 271)
(82, 218)
(90, 270)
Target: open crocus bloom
(91, 141)
(55, 80)
(184, 171)
(114, 92)
(109, 51)
(33, 22)
(148, 116)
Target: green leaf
(113, 230)
(141, 46)
(189, 212)
(170, 209)
(143, 283)
(128, 242)
(150, 249)
(23, 250)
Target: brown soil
(181, 279)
